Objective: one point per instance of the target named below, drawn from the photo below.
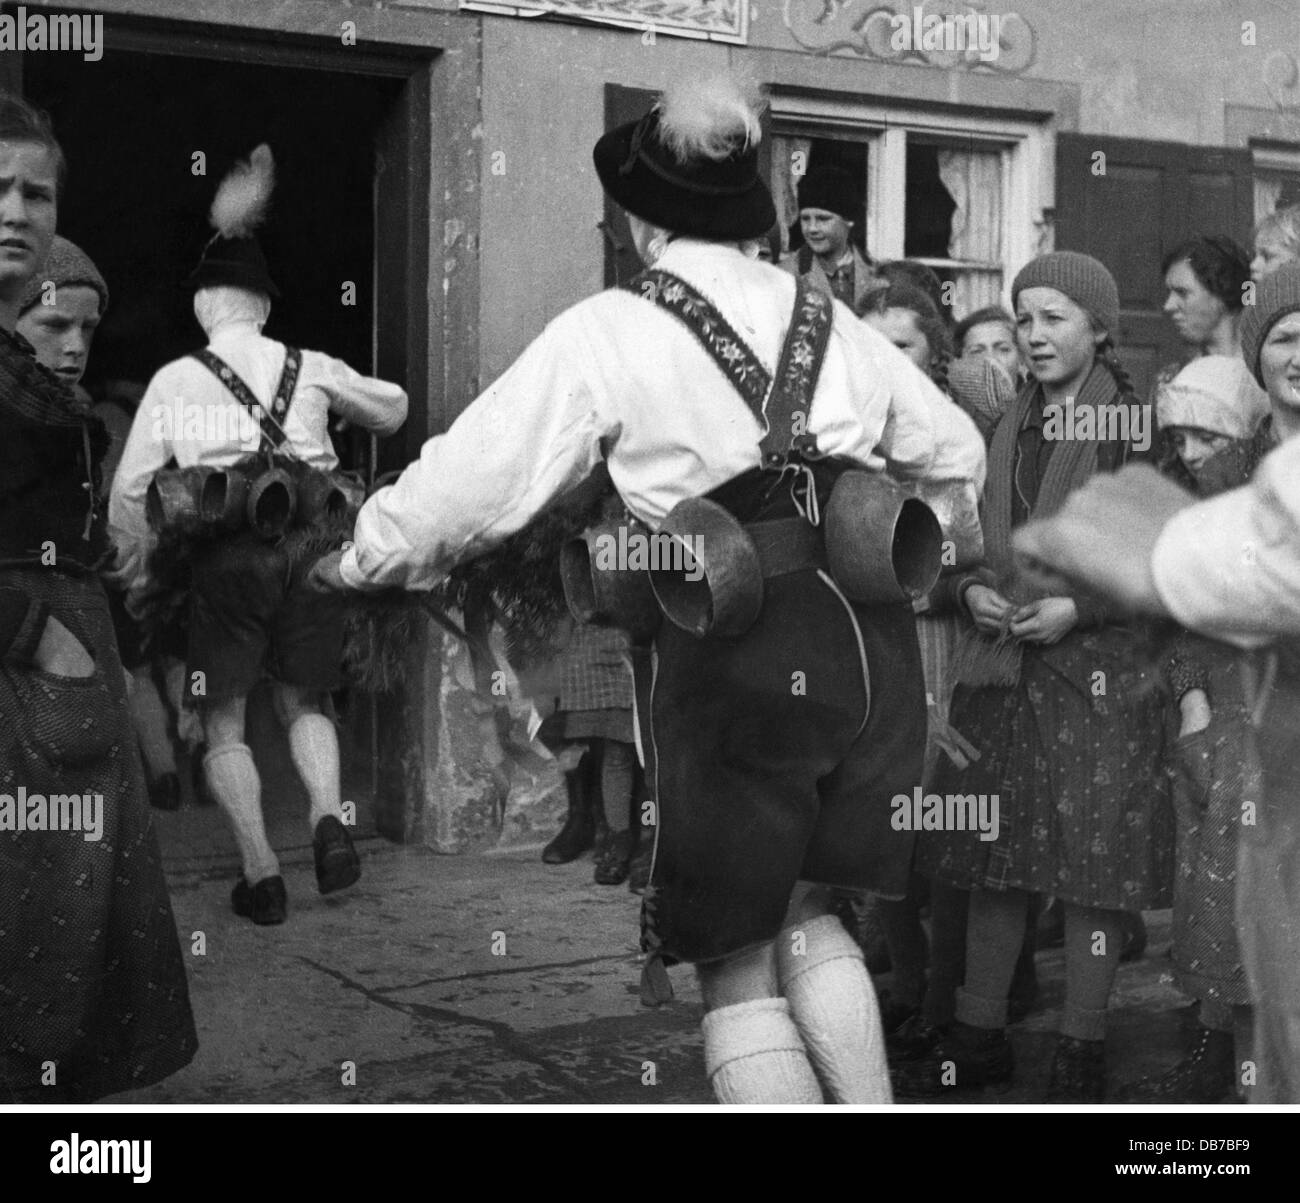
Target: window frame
(1023, 143)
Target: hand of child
(1045, 621)
(987, 607)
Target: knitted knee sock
(753, 1054)
(1094, 939)
(233, 780)
(995, 934)
(835, 1009)
(314, 746)
(616, 762)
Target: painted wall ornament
(936, 33)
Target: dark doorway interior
(131, 128)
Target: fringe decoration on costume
(244, 195)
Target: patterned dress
(1074, 750)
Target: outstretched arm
(535, 433)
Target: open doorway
(148, 137)
(134, 129)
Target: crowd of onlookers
(1120, 767)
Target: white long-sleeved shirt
(189, 416)
(1229, 567)
(618, 376)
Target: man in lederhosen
(247, 617)
(776, 758)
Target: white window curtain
(787, 153)
(973, 179)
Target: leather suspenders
(780, 403)
(272, 421)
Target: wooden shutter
(1151, 197)
(621, 260)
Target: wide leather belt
(787, 545)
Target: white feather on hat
(244, 195)
(1214, 393)
(710, 118)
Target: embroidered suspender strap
(796, 379)
(724, 346)
(774, 403)
(272, 422)
(288, 382)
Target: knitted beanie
(1214, 393)
(1081, 277)
(1276, 296)
(67, 265)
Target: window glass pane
(954, 202)
(1275, 190)
(929, 206)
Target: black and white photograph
(651, 556)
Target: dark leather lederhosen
(776, 753)
(245, 614)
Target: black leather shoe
(1078, 1071)
(967, 1058)
(165, 793)
(1205, 1075)
(579, 830)
(913, 1040)
(265, 903)
(337, 862)
(614, 856)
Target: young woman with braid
(1065, 713)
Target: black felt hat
(237, 262)
(831, 189)
(232, 256)
(724, 200)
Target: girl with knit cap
(1065, 718)
(1208, 415)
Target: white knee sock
(233, 780)
(753, 1054)
(820, 970)
(314, 745)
